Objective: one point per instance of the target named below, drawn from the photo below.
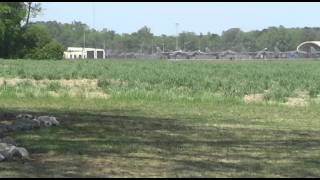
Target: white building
(83, 53)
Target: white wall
(72, 54)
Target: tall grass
(171, 80)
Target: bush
(103, 83)
(314, 91)
(39, 44)
(52, 50)
(54, 86)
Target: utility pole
(93, 26)
(163, 47)
(141, 50)
(152, 47)
(93, 16)
(163, 44)
(84, 39)
(104, 47)
(177, 24)
(84, 43)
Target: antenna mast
(93, 22)
(84, 42)
(177, 24)
(84, 38)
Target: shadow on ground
(108, 144)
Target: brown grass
(250, 98)
(87, 88)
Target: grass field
(139, 118)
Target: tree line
(143, 40)
(20, 38)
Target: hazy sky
(128, 17)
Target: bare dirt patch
(296, 101)
(250, 98)
(301, 99)
(10, 81)
(87, 88)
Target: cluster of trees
(144, 41)
(47, 40)
(21, 39)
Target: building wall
(80, 53)
(75, 55)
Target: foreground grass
(113, 138)
(165, 118)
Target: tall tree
(33, 9)
(11, 15)
(17, 41)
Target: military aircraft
(313, 52)
(285, 54)
(180, 53)
(170, 54)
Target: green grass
(171, 80)
(150, 139)
(162, 121)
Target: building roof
(80, 49)
(316, 43)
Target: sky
(198, 17)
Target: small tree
(39, 45)
(52, 50)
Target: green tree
(232, 39)
(33, 9)
(11, 15)
(17, 41)
(52, 50)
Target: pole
(152, 47)
(162, 47)
(93, 26)
(141, 48)
(84, 44)
(84, 39)
(177, 24)
(104, 48)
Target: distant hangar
(309, 47)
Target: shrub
(52, 50)
(54, 86)
(39, 45)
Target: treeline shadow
(188, 146)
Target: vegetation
(22, 40)
(158, 118)
(273, 38)
(173, 80)
(99, 138)
(163, 118)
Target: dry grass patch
(251, 98)
(301, 99)
(87, 88)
